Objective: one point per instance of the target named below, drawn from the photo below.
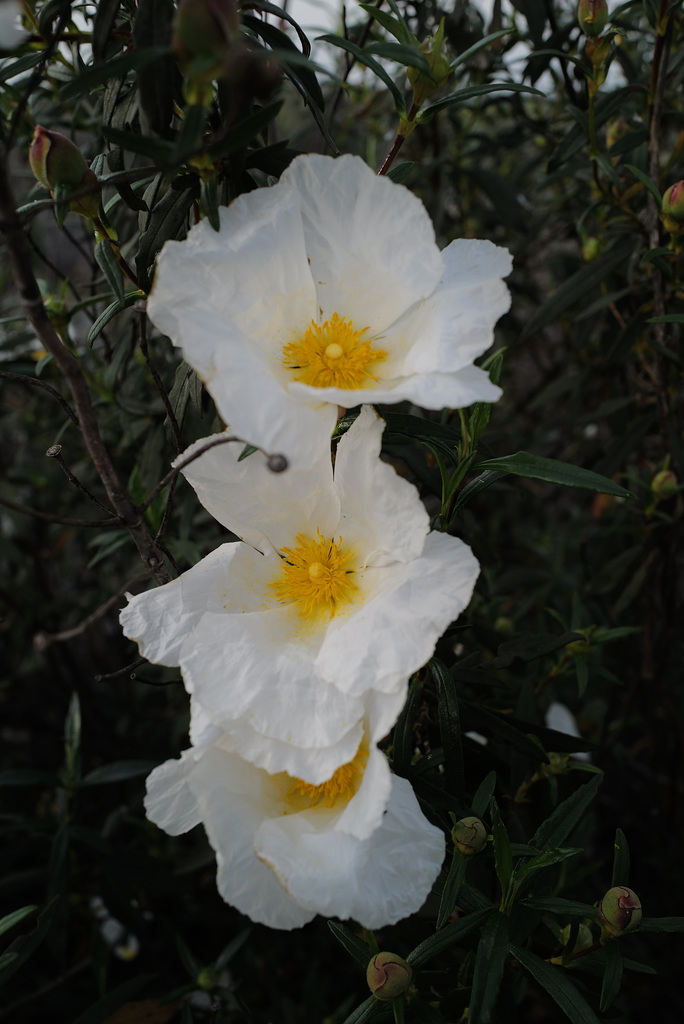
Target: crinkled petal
(170, 802)
(375, 881)
(233, 806)
(395, 631)
(371, 243)
(382, 513)
(255, 503)
(160, 620)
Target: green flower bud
(208, 978)
(591, 249)
(592, 16)
(672, 209)
(204, 31)
(620, 911)
(435, 50)
(59, 165)
(469, 835)
(388, 976)
(664, 484)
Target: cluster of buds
(388, 976)
(60, 166)
(469, 836)
(619, 911)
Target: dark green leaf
(479, 45)
(536, 467)
(497, 727)
(561, 907)
(503, 860)
(168, 220)
(450, 729)
(403, 742)
(556, 982)
(492, 952)
(108, 1005)
(159, 150)
(369, 1010)
(565, 818)
(103, 23)
(661, 924)
(158, 82)
(23, 946)
(110, 312)
(483, 795)
(115, 68)
(401, 53)
(612, 975)
(544, 860)
(531, 647)
(370, 62)
(645, 180)
(117, 771)
(9, 920)
(190, 134)
(395, 26)
(452, 887)
(669, 318)
(453, 933)
(108, 264)
(233, 947)
(209, 202)
(476, 486)
(246, 131)
(469, 93)
(355, 946)
(400, 171)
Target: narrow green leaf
(188, 959)
(499, 728)
(661, 924)
(236, 944)
(115, 68)
(371, 63)
(479, 45)
(503, 860)
(645, 180)
(107, 262)
(470, 93)
(492, 952)
(483, 795)
(395, 26)
(248, 450)
(209, 201)
(531, 647)
(401, 171)
(556, 982)
(561, 907)
(117, 771)
(450, 729)
(368, 1010)
(23, 946)
(565, 818)
(476, 486)
(536, 467)
(247, 130)
(452, 887)
(401, 53)
(9, 920)
(355, 946)
(453, 933)
(669, 318)
(544, 860)
(403, 743)
(110, 312)
(159, 150)
(612, 975)
(620, 859)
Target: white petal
(233, 807)
(381, 512)
(170, 802)
(255, 503)
(371, 243)
(160, 620)
(395, 631)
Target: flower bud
(469, 835)
(204, 30)
(388, 976)
(208, 978)
(620, 910)
(664, 484)
(435, 50)
(672, 208)
(592, 16)
(59, 165)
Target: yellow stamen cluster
(314, 575)
(341, 786)
(332, 355)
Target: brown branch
(55, 452)
(23, 378)
(102, 524)
(43, 640)
(26, 283)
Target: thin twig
(142, 339)
(23, 378)
(173, 473)
(55, 452)
(43, 640)
(55, 270)
(120, 671)
(102, 524)
(20, 261)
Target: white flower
(357, 846)
(339, 595)
(11, 33)
(328, 289)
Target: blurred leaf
(620, 859)
(167, 220)
(449, 728)
(496, 726)
(529, 648)
(108, 264)
(355, 946)
(561, 907)
(502, 849)
(491, 956)
(9, 920)
(105, 1007)
(395, 26)
(233, 947)
(544, 860)
(27, 777)
(565, 818)
(536, 467)
(103, 23)
(453, 933)
(407, 54)
(661, 924)
(469, 93)
(612, 977)
(483, 795)
(452, 887)
(369, 61)
(403, 738)
(368, 1010)
(159, 150)
(645, 180)
(117, 771)
(556, 982)
(246, 131)
(479, 45)
(401, 171)
(476, 486)
(158, 82)
(115, 68)
(23, 946)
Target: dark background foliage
(580, 598)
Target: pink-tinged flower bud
(620, 910)
(388, 976)
(672, 209)
(59, 165)
(435, 50)
(205, 30)
(592, 16)
(664, 484)
(469, 835)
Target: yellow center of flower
(340, 786)
(314, 575)
(333, 355)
